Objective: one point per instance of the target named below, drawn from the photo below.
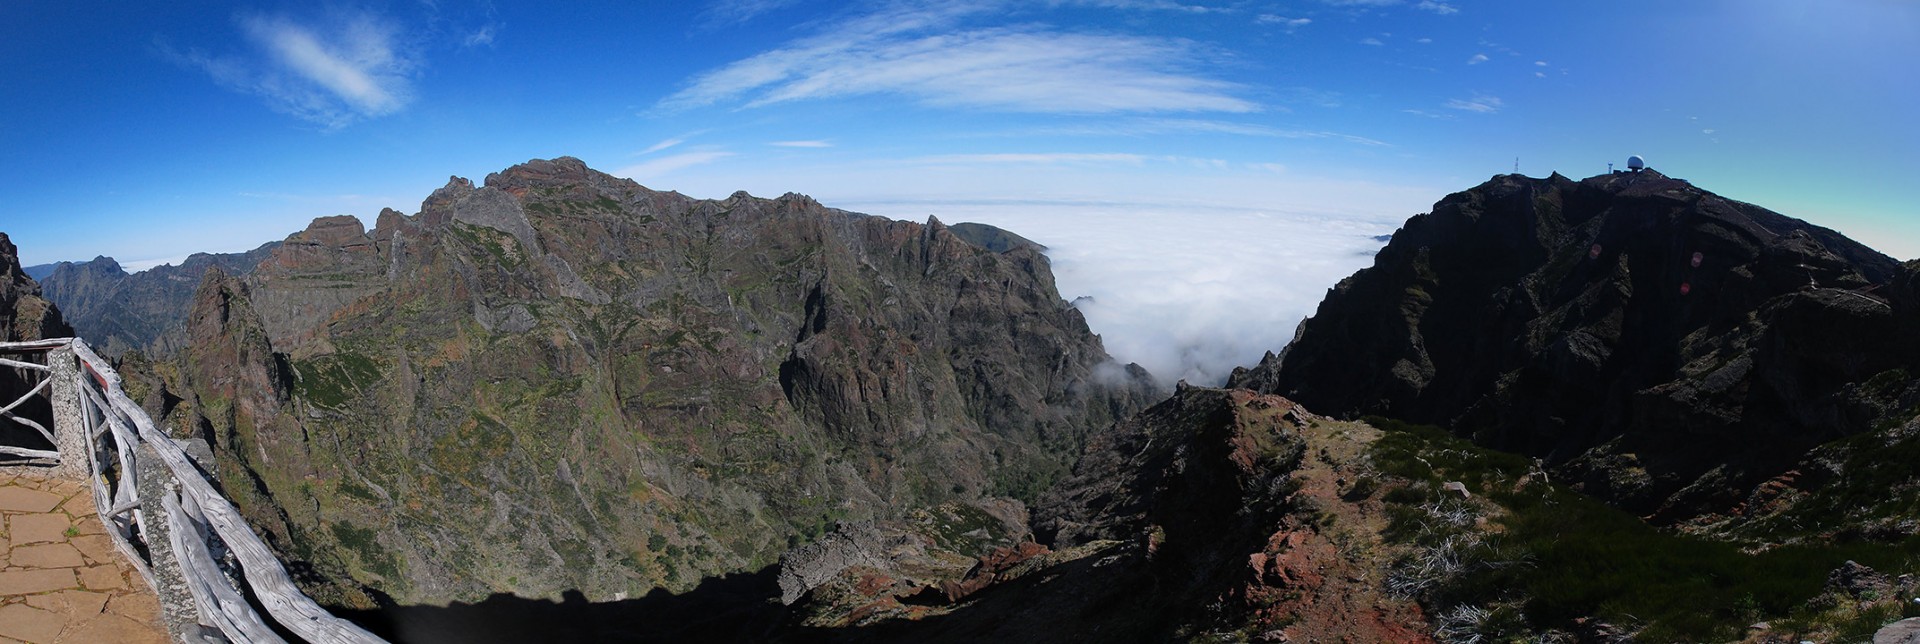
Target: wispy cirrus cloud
(1043, 158)
(1290, 24)
(655, 168)
(662, 145)
(732, 12)
(1158, 126)
(1440, 8)
(1151, 5)
(1479, 104)
(1083, 159)
(1477, 59)
(334, 72)
(482, 37)
(926, 54)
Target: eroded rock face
(24, 315)
(1215, 514)
(116, 311)
(562, 380)
(865, 570)
(1664, 346)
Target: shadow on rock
(737, 607)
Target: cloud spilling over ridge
(332, 73)
(928, 54)
(1187, 293)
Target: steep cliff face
(1667, 347)
(116, 311)
(24, 314)
(561, 380)
(1215, 515)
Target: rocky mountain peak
(799, 200)
(636, 389)
(559, 170)
(340, 232)
(105, 264)
(437, 208)
(1631, 327)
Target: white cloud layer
(1188, 293)
(924, 54)
(348, 68)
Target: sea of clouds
(1189, 294)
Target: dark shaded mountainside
(560, 380)
(117, 311)
(1669, 350)
(24, 315)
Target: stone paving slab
(61, 578)
(20, 499)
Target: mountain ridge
(639, 388)
(119, 311)
(562, 384)
(1730, 339)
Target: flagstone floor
(61, 579)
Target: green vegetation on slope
(1558, 555)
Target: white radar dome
(1635, 162)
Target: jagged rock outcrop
(1665, 347)
(1186, 464)
(1210, 516)
(313, 274)
(24, 314)
(116, 311)
(867, 570)
(560, 380)
(992, 238)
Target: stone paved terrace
(61, 580)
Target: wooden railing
(29, 455)
(198, 517)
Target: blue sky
(149, 131)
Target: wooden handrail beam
(23, 365)
(263, 571)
